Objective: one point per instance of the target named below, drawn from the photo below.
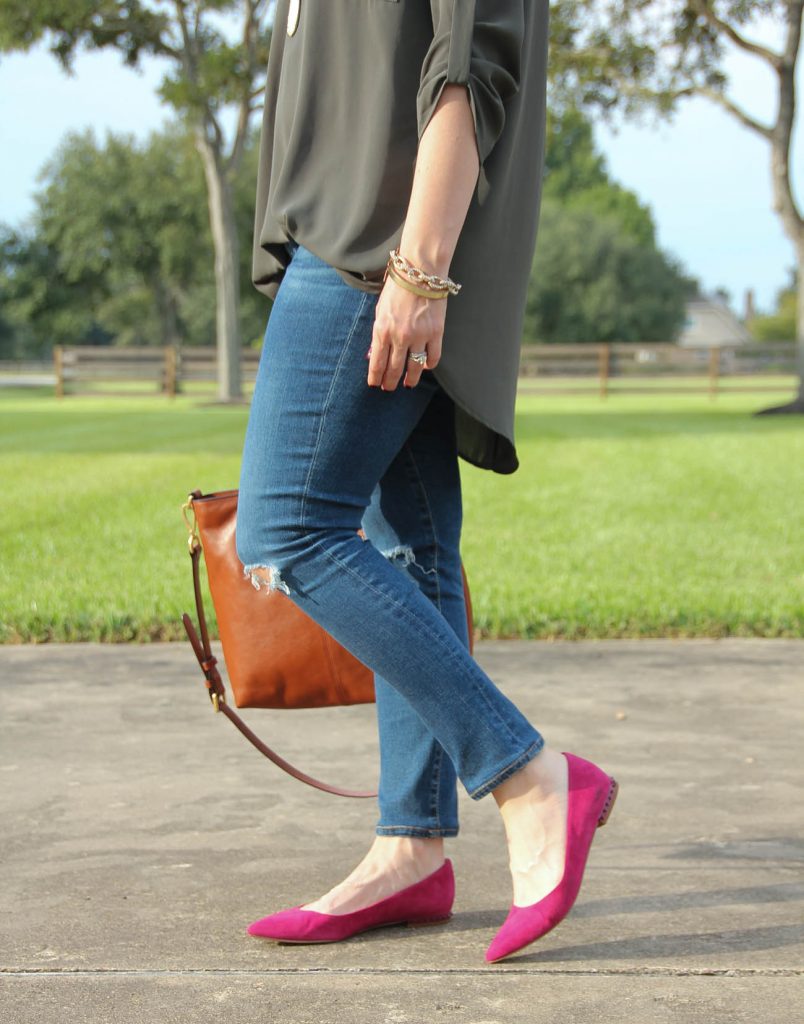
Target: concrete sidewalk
(141, 834)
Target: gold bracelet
(427, 293)
(415, 274)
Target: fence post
(603, 362)
(58, 367)
(714, 371)
(170, 371)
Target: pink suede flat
(590, 799)
(426, 902)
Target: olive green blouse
(351, 86)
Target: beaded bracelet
(417, 276)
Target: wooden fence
(547, 369)
(166, 368)
(653, 368)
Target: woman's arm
(447, 166)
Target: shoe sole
(607, 806)
(429, 923)
(375, 927)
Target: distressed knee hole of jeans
(402, 556)
(273, 581)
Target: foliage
(575, 174)
(640, 57)
(131, 215)
(598, 274)
(120, 249)
(594, 282)
(632, 56)
(644, 56)
(781, 324)
(212, 69)
(40, 306)
(207, 71)
(130, 26)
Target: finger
(378, 361)
(433, 353)
(394, 368)
(413, 371)
(413, 374)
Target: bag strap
(217, 690)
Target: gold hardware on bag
(187, 510)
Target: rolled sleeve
(477, 43)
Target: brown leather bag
(276, 655)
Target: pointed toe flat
(426, 902)
(591, 797)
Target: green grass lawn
(649, 515)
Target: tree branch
(251, 25)
(188, 49)
(724, 28)
(793, 40)
(745, 119)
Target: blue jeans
(326, 454)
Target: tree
(575, 175)
(130, 215)
(781, 324)
(594, 282)
(40, 306)
(639, 55)
(119, 250)
(208, 75)
(598, 274)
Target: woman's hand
(404, 323)
(447, 166)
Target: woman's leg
(414, 519)
(318, 442)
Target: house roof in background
(710, 322)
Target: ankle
(541, 777)
(423, 853)
(391, 864)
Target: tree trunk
(168, 311)
(800, 320)
(797, 405)
(784, 203)
(227, 270)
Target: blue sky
(706, 179)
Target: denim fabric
(325, 454)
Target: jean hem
(508, 771)
(417, 831)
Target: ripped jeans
(326, 454)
